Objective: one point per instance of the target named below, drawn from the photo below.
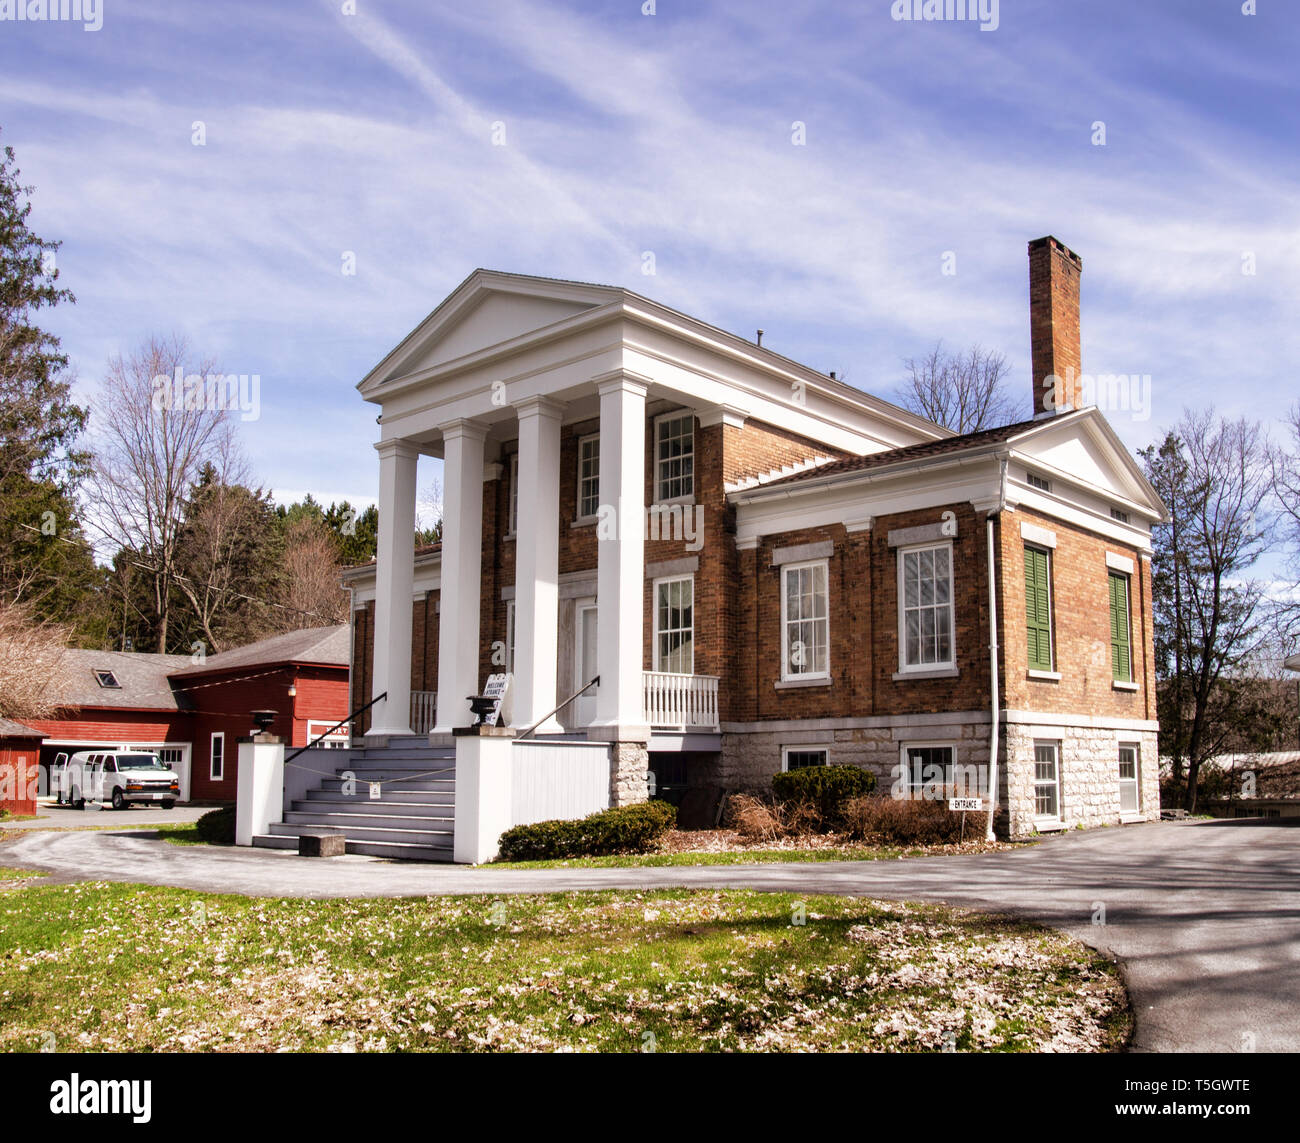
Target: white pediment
(1085, 449)
(496, 318)
(486, 310)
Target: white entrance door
(584, 706)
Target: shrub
(218, 826)
(816, 795)
(755, 819)
(899, 821)
(624, 829)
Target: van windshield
(139, 762)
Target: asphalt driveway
(1204, 916)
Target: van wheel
(168, 804)
(76, 801)
(119, 802)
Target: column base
(390, 732)
(618, 732)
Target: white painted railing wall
(550, 780)
(679, 702)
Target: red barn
(191, 713)
(301, 675)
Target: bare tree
(1211, 619)
(31, 663)
(153, 438)
(962, 391)
(313, 595)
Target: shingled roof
(11, 729)
(141, 679)
(923, 451)
(330, 646)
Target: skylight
(108, 679)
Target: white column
(458, 598)
(394, 579)
(620, 577)
(537, 563)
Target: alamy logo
(983, 12)
(214, 393)
(88, 13)
(77, 1096)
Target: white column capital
(463, 428)
(539, 407)
(622, 380)
(397, 447)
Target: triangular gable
(487, 309)
(1082, 446)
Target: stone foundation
(1088, 761)
(629, 773)
(1089, 776)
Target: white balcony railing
(679, 702)
(424, 711)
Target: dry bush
(885, 820)
(755, 819)
(31, 663)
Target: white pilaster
(458, 601)
(620, 577)
(537, 563)
(394, 584)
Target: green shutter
(1121, 669)
(1038, 610)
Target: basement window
(1040, 482)
(108, 680)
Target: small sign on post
(965, 804)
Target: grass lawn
(113, 967)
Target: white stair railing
(679, 702)
(424, 711)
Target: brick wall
(1080, 625)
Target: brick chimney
(1054, 271)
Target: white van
(120, 777)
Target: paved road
(1205, 916)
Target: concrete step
(350, 822)
(433, 838)
(433, 802)
(395, 782)
(402, 851)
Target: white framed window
(926, 770)
(674, 456)
(510, 636)
(925, 608)
(1130, 786)
(675, 625)
(1047, 780)
(805, 621)
(217, 757)
(588, 476)
(512, 506)
(801, 757)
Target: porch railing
(680, 702)
(424, 711)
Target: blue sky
(672, 133)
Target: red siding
(19, 767)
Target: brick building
(764, 567)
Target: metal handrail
(332, 729)
(557, 710)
